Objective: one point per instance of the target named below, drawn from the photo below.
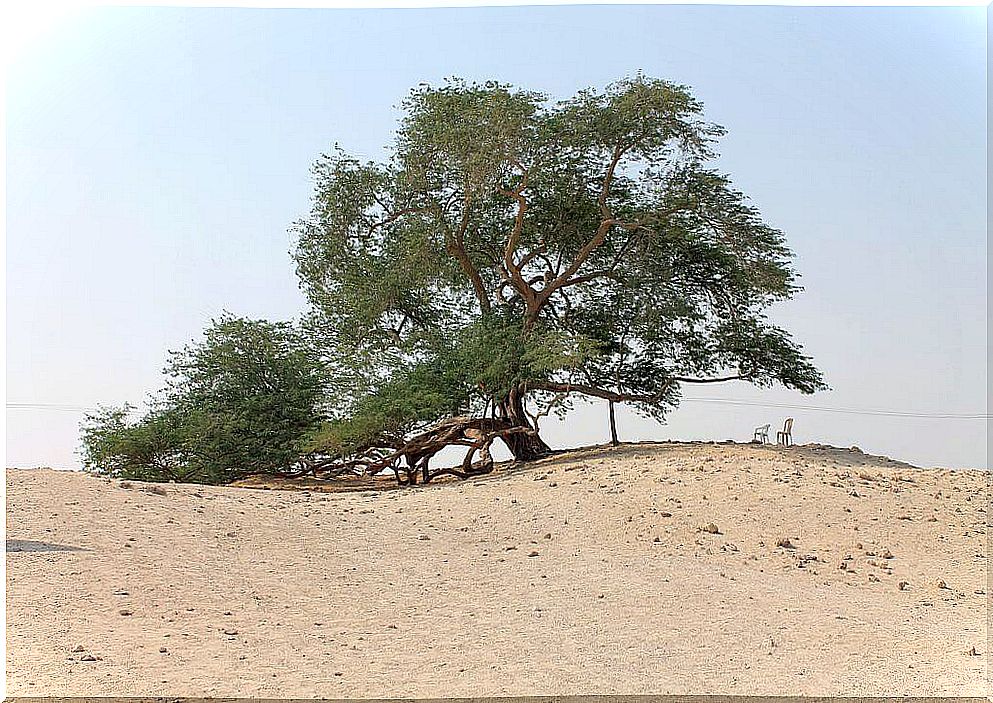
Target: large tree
(514, 253)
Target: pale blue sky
(156, 157)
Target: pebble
(533, 554)
(423, 537)
(127, 612)
(91, 658)
(711, 528)
(903, 585)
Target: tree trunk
(525, 445)
(613, 426)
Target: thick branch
(513, 269)
(619, 397)
(723, 379)
(596, 392)
(455, 245)
(599, 236)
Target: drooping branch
(537, 417)
(620, 397)
(596, 392)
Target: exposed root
(410, 458)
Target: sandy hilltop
(642, 569)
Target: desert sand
(642, 569)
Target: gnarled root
(410, 458)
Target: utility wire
(49, 406)
(720, 401)
(846, 411)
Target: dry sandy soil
(644, 569)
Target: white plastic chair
(785, 437)
(761, 434)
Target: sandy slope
(585, 573)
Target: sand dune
(671, 568)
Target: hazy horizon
(157, 156)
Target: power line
(846, 411)
(64, 407)
(50, 406)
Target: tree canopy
(242, 401)
(515, 253)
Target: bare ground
(647, 568)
